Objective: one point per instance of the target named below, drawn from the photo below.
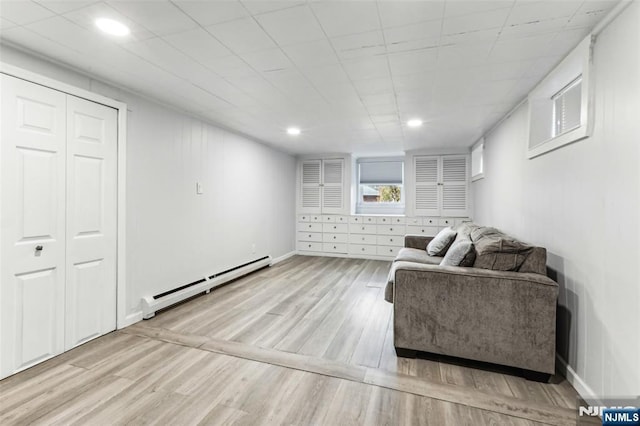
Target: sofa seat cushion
(416, 255)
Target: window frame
(477, 147)
(541, 126)
(380, 207)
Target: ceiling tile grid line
(350, 71)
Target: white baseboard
(131, 319)
(578, 383)
(283, 257)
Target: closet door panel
(32, 215)
(91, 220)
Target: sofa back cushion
(441, 242)
(500, 253)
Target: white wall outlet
(199, 189)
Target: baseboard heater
(153, 304)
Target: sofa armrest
(493, 316)
(417, 241)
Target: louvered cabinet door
(333, 186)
(310, 197)
(454, 185)
(427, 197)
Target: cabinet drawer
(430, 221)
(309, 227)
(303, 218)
(414, 221)
(336, 228)
(391, 229)
(362, 219)
(334, 248)
(315, 218)
(387, 251)
(446, 221)
(309, 236)
(334, 238)
(362, 229)
(309, 246)
(362, 249)
(390, 240)
(429, 231)
(362, 239)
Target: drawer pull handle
(334, 247)
(390, 229)
(391, 239)
(309, 235)
(362, 240)
(362, 248)
(334, 237)
(309, 245)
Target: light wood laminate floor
(307, 341)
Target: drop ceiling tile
(383, 109)
(61, 7)
(362, 69)
(86, 17)
(231, 66)
(207, 12)
(413, 62)
(242, 35)
(70, 35)
(422, 31)
(400, 13)
(159, 17)
(524, 48)
(463, 56)
(384, 98)
(412, 83)
(360, 45)
(24, 12)
(533, 11)
(308, 56)
(257, 7)
(325, 75)
(373, 86)
(199, 45)
(291, 26)
(350, 17)
(267, 60)
(476, 22)
(6, 24)
(468, 7)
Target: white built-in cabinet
(441, 185)
(322, 186)
(58, 166)
(438, 183)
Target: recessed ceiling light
(415, 122)
(293, 131)
(112, 27)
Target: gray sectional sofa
(501, 310)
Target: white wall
(581, 202)
(174, 236)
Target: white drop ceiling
(348, 73)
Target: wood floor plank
(307, 341)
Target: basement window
(380, 186)
(559, 106)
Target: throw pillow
(461, 253)
(441, 242)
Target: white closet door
(32, 216)
(310, 196)
(333, 186)
(454, 185)
(91, 220)
(427, 195)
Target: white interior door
(32, 217)
(91, 220)
(333, 186)
(310, 188)
(427, 196)
(454, 185)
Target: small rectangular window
(380, 186)
(477, 160)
